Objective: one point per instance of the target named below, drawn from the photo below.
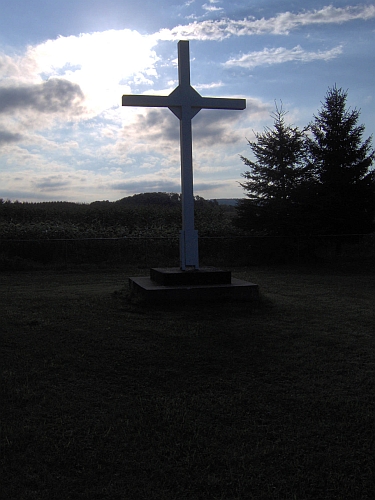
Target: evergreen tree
(345, 200)
(275, 180)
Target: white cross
(185, 102)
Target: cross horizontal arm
(152, 101)
(222, 103)
(178, 98)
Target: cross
(185, 102)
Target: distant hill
(149, 199)
(170, 199)
(227, 201)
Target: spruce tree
(345, 201)
(275, 180)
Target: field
(103, 397)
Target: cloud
(282, 55)
(151, 140)
(104, 65)
(9, 67)
(53, 96)
(210, 7)
(70, 83)
(208, 86)
(152, 130)
(281, 24)
(158, 131)
(52, 183)
(214, 127)
(9, 137)
(147, 184)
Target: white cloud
(208, 86)
(282, 55)
(210, 7)
(281, 24)
(59, 83)
(102, 64)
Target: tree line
(145, 214)
(317, 180)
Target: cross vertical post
(189, 256)
(185, 102)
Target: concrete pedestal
(208, 283)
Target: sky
(64, 66)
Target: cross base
(173, 276)
(208, 284)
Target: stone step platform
(174, 276)
(173, 284)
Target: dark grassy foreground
(104, 398)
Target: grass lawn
(103, 397)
